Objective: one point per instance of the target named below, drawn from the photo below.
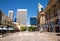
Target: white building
(10, 14)
(39, 7)
(22, 16)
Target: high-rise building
(22, 16)
(40, 7)
(33, 20)
(15, 19)
(10, 15)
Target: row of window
(52, 11)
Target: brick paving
(31, 36)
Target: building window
(56, 14)
(5, 21)
(59, 2)
(41, 9)
(54, 6)
(46, 16)
(59, 22)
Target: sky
(30, 5)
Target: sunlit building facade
(40, 7)
(11, 15)
(53, 15)
(22, 16)
(41, 20)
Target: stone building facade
(6, 24)
(41, 20)
(53, 15)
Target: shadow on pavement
(58, 34)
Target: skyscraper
(40, 7)
(10, 15)
(33, 20)
(15, 19)
(22, 16)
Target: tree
(23, 28)
(32, 28)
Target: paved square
(31, 36)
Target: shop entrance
(57, 29)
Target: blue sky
(31, 5)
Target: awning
(3, 28)
(10, 28)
